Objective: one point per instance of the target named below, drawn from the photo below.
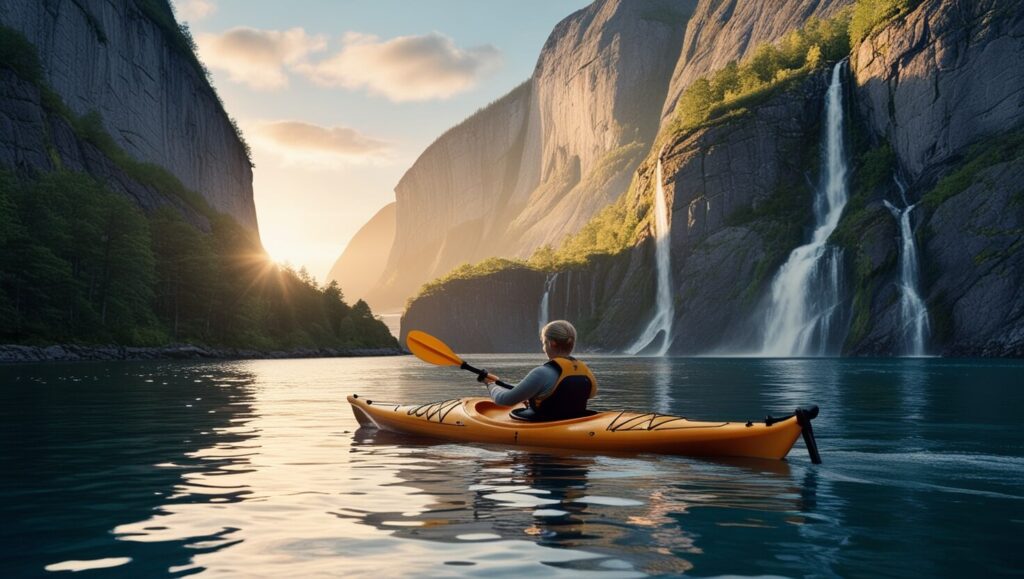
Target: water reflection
(74, 473)
(614, 513)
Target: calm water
(257, 468)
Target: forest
(81, 264)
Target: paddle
(434, 351)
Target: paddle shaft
(477, 371)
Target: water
(913, 312)
(543, 317)
(805, 297)
(257, 469)
(661, 323)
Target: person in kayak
(556, 390)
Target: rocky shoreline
(15, 354)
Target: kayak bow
(481, 420)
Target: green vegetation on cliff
(870, 16)
(980, 156)
(471, 271)
(741, 85)
(79, 263)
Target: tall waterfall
(661, 323)
(913, 312)
(805, 298)
(543, 315)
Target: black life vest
(568, 398)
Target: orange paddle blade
(430, 349)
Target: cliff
(365, 256)
(944, 87)
(127, 61)
(934, 98)
(539, 163)
(737, 192)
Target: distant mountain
(365, 256)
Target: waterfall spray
(661, 323)
(913, 312)
(805, 298)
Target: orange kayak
(481, 420)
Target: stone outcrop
(111, 57)
(539, 163)
(976, 254)
(943, 77)
(365, 255)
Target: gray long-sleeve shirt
(537, 382)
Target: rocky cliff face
(738, 193)
(112, 57)
(942, 86)
(34, 138)
(536, 165)
(944, 77)
(365, 256)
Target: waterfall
(543, 315)
(805, 296)
(913, 312)
(661, 323)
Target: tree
(185, 274)
(695, 103)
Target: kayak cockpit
(486, 410)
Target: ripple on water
(280, 480)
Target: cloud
(406, 68)
(258, 57)
(307, 143)
(194, 10)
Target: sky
(338, 98)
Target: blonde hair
(561, 332)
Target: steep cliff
(738, 195)
(365, 255)
(935, 108)
(127, 61)
(943, 77)
(944, 86)
(536, 165)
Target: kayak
(481, 420)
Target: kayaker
(555, 390)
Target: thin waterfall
(913, 312)
(805, 298)
(543, 315)
(661, 323)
